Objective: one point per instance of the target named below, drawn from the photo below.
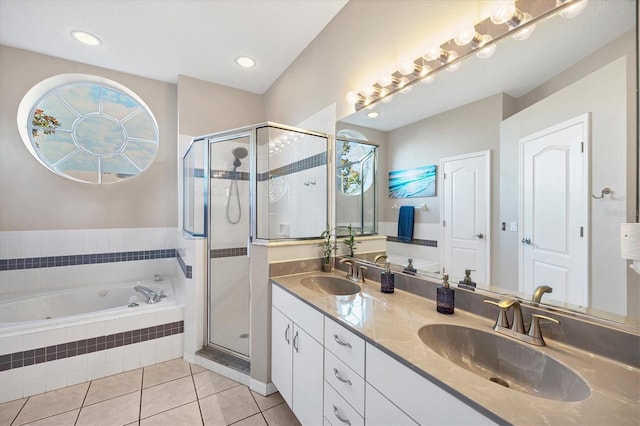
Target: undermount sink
(505, 361)
(331, 285)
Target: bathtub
(79, 305)
(52, 340)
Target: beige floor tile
(209, 383)
(9, 410)
(167, 396)
(121, 410)
(52, 403)
(195, 369)
(64, 419)
(255, 420)
(165, 372)
(112, 386)
(188, 414)
(266, 402)
(228, 407)
(280, 415)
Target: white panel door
(465, 209)
(554, 211)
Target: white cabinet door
(381, 412)
(281, 354)
(307, 377)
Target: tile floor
(172, 393)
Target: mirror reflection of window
(88, 129)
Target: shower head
(239, 153)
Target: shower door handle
(286, 334)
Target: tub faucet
(152, 296)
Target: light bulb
(385, 80)
(407, 68)
(465, 35)
(387, 99)
(432, 53)
(403, 86)
(352, 97)
(486, 52)
(371, 106)
(452, 55)
(384, 95)
(369, 91)
(504, 12)
(426, 76)
(574, 10)
(524, 33)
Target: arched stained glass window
(89, 129)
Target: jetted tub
(79, 305)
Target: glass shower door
(229, 230)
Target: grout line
(197, 396)
(86, 394)
(141, 391)
(20, 410)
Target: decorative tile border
(85, 346)
(228, 252)
(187, 270)
(84, 259)
(415, 241)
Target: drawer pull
(339, 417)
(295, 341)
(286, 334)
(337, 374)
(340, 342)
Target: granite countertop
(391, 323)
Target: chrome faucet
(517, 329)
(539, 291)
(355, 272)
(152, 296)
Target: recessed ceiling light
(245, 62)
(373, 114)
(86, 38)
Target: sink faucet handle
(534, 331)
(502, 320)
(361, 270)
(350, 264)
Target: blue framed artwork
(418, 182)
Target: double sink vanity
(344, 353)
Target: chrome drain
(499, 381)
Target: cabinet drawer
(344, 380)
(298, 311)
(423, 401)
(337, 410)
(382, 412)
(345, 345)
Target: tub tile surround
(390, 322)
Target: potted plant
(327, 248)
(350, 241)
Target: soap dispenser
(409, 269)
(445, 297)
(466, 282)
(387, 279)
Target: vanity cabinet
(423, 401)
(297, 355)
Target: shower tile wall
(34, 244)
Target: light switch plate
(513, 227)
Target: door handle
(526, 241)
(479, 236)
(295, 341)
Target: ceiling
(161, 39)
(516, 68)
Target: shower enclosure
(240, 185)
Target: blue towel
(405, 223)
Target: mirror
(356, 183)
(568, 68)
